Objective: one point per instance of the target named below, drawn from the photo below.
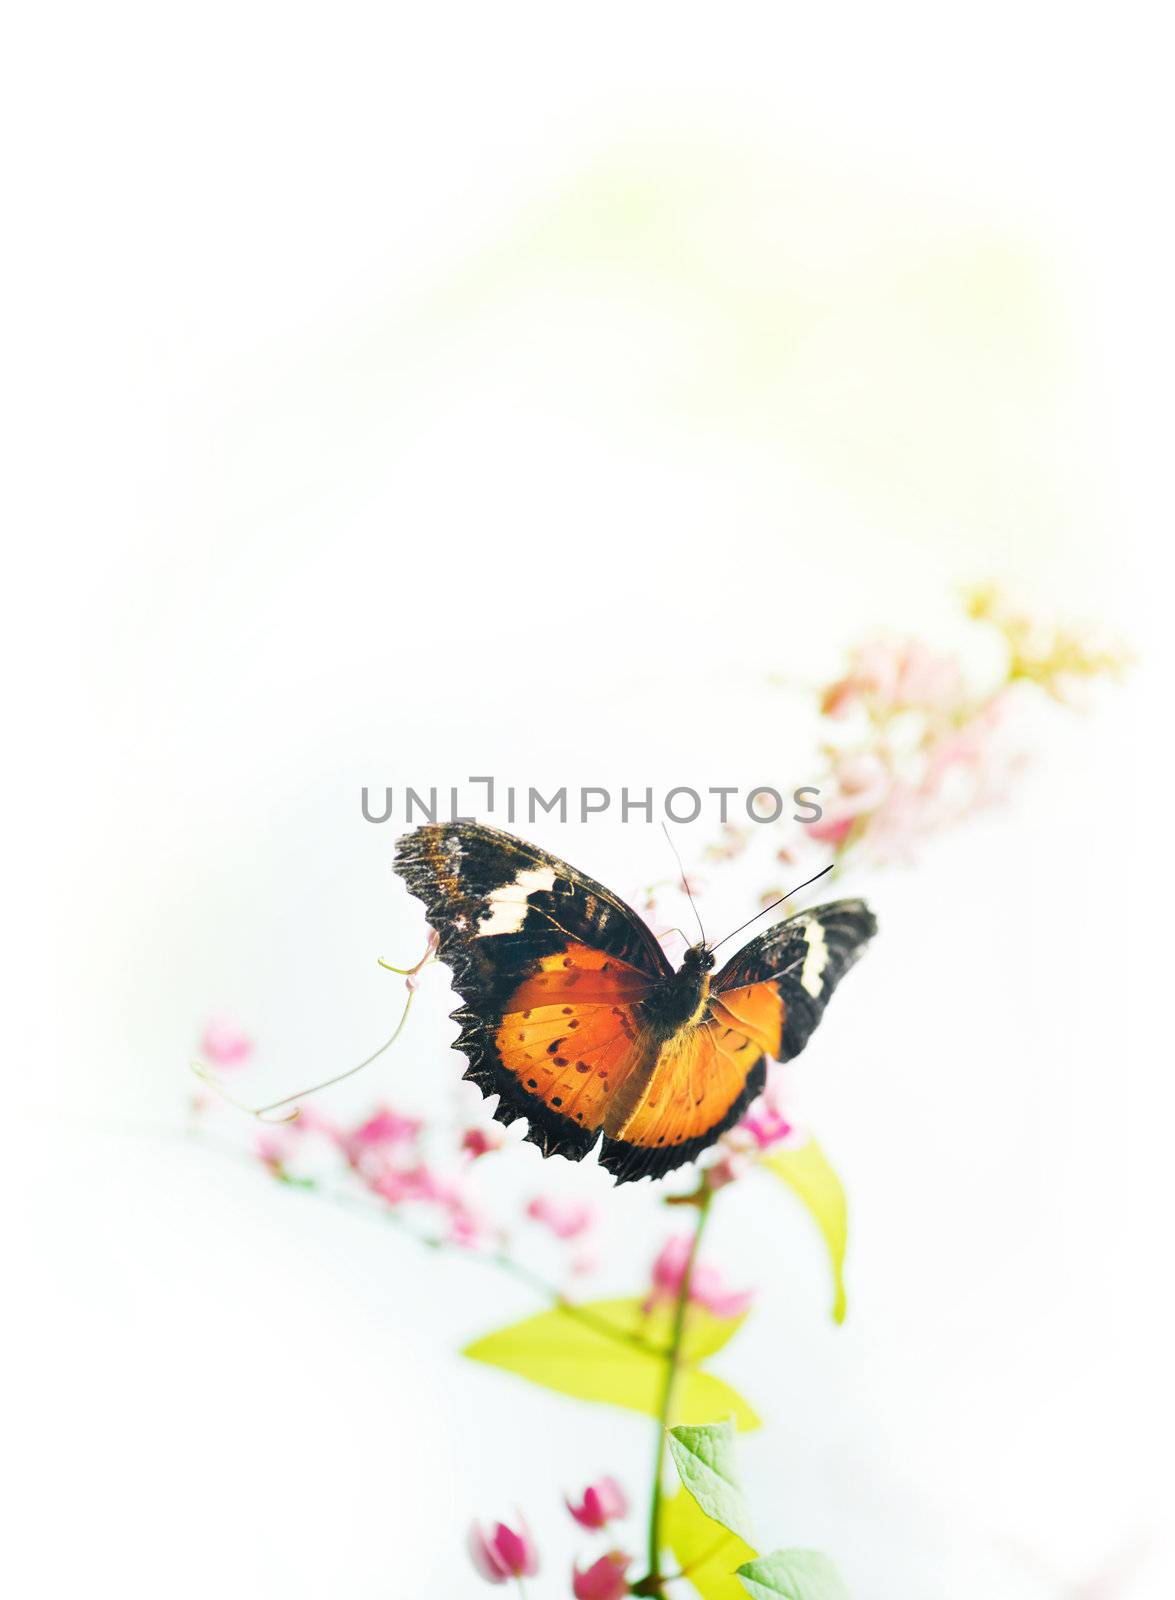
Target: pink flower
(386, 1127)
(270, 1150)
(298, 1140)
(604, 1580)
(412, 976)
(862, 784)
(886, 677)
(464, 1227)
(419, 1184)
(833, 827)
(728, 1169)
(566, 1219)
(372, 1139)
(926, 681)
(397, 1184)
(224, 1045)
(503, 1554)
(311, 1120)
(707, 1287)
(603, 1501)
(766, 1124)
(479, 1142)
(669, 1269)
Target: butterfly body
(681, 1000)
(575, 1019)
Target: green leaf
(608, 1350)
(704, 1458)
(807, 1171)
(705, 1553)
(792, 1575)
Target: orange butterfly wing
(703, 1079)
(766, 1002)
(573, 1038)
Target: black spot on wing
(552, 1133)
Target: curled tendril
(412, 973)
(264, 1113)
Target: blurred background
(398, 395)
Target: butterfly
(575, 1019)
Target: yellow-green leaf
(792, 1575)
(705, 1334)
(704, 1458)
(701, 1396)
(807, 1171)
(707, 1554)
(607, 1350)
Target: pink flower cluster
(502, 1553)
(921, 751)
(385, 1152)
(401, 1161)
(885, 678)
(912, 746)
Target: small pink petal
(767, 1127)
(669, 1267)
(605, 1579)
(707, 1287)
(832, 828)
(479, 1142)
(728, 1169)
(380, 1132)
(603, 1501)
(225, 1045)
(503, 1553)
(484, 1555)
(565, 1219)
(516, 1551)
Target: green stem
(652, 1584)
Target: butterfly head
(699, 957)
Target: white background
(397, 394)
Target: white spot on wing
(507, 905)
(812, 971)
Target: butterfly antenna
(685, 882)
(775, 903)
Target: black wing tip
(852, 910)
